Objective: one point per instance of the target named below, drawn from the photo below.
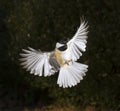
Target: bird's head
(62, 45)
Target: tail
(71, 74)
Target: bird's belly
(59, 58)
(62, 59)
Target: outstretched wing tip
(37, 62)
(84, 22)
(83, 19)
(77, 44)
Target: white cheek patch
(58, 45)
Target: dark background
(40, 24)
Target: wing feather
(77, 44)
(38, 62)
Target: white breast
(66, 55)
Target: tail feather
(71, 75)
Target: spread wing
(77, 44)
(38, 62)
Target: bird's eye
(63, 48)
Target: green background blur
(40, 24)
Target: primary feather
(77, 44)
(39, 63)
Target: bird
(64, 58)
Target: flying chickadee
(62, 59)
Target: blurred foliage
(40, 24)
